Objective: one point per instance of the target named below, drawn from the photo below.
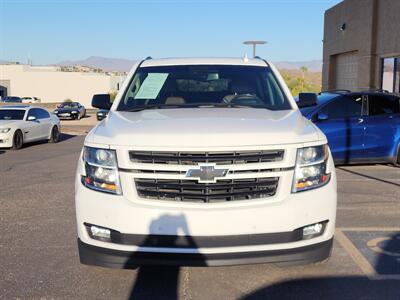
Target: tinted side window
(43, 114)
(381, 105)
(343, 107)
(34, 112)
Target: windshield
(68, 105)
(12, 114)
(204, 85)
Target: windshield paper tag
(151, 86)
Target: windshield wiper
(154, 106)
(230, 105)
(193, 105)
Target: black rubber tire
(18, 140)
(78, 117)
(55, 135)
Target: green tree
(303, 70)
(298, 84)
(113, 95)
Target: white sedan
(30, 100)
(23, 124)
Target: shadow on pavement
(368, 176)
(344, 287)
(155, 282)
(327, 288)
(162, 282)
(388, 261)
(63, 137)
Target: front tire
(55, 135)
(18, 140)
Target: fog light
(312, 230)
(100, 233)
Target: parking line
(357, 256)
(369, 229)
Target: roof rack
(338, 91)
(148, 57)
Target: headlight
(101, 170)
(74, 112)
(4, 130)
(56, 111)
(310, 169)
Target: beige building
(362, 45)
(51, 85)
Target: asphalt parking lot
(39, 259)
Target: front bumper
(6, 140)
(67, 116)
(97, 256)
(167, 232)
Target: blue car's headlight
(311, 166)
(101, 170)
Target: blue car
(361, 127)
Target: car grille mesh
(193, 158)
(193, 191)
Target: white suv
(204, 162)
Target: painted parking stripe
(373, 245)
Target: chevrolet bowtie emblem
(206, 173)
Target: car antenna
(245, 58)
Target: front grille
(193, 191)
(193, 158)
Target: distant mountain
(107, 64)
(312, 65)
(124, 65)
(3, 62)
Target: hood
(203, 127)
(4, 123)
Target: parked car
(101, 114)
(23, 124)
(361, 127)
(70, 110)
(204, 162)
(30, 100)
(12, 99)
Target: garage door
(347, 71)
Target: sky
(50, 31)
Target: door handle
(360, 120)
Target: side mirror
(322, 117)
(31, 118)
(307, 99)
(102, 101)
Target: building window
(391, 74)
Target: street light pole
(254, 44)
